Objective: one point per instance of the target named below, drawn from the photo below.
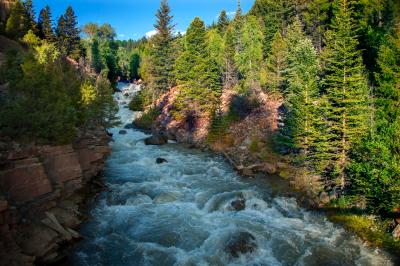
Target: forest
(334, 64)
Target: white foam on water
(180, 213)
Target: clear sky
(134, 18)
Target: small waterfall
(188, 210)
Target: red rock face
(25, 182)
(35, 180)
(61, 164)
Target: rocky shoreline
(42, 188)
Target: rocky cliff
(41, 188)
(5, 6)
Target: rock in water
(161, 160)
(128, 126)
(122, 132)
(241, 243)
(238, 204)
(157, 139)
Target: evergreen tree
(302, 96)
(197, 72)
(276, 64)
(376, 169)
(45, 25)
(230, 71)
(346, 88)
(30, 21)
(223, 22)
(316, 17)
(276, 14)
(68, 34)
(215, 46)
(250, 56)
(95, 59)
(15, 26)
(162, 55)
(71, 33)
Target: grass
(371, 229)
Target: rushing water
(179, 213)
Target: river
(180, 213)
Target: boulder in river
(128, 126)
(156, 139)
(238, 204)
(122, 132)
(241, 243)
(161, 160)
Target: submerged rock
(122, 132)
(238, 204)
(156, 139)
(128, 126)
(161, 160)
(241, 243)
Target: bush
(137, 103)
(146, 120)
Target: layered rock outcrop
(41, 188)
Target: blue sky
(134, 18)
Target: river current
(180, 213)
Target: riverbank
(43, 188)
(247, 143)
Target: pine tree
(68, 34)
(250, 56)
(230, 71)
(302, 97)
(197, 72)
(45, 25)
(71, 33)
(276, 64)
(95, 59)
(346, 88)
(61, 35)
(162, 55)
(223, 22)
(30, 21)
(276, 15)
(15, 26)
(316, 17)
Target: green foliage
(376, 162)
(276, 65)
(31, 39)
(275, 14)
(30, 21)
(161, 52)
(15, 26)
(146, 120)
(346, 87)
(223, 22)
(137, 102)
(41, 105)
(134, 65)
(250, 55)
(197, 73)
(45, 25)
(68, 34)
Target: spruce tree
(30, 21)
(197, 72)
(316, 17)
(346, 88)
(61, 35)
(276, 64)
(375, 171)
(45, 25)
(72, 31)
(223, 22)
(230, 71)
(162, 55)
(250, 55)
(302, 97)
(15, 26)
